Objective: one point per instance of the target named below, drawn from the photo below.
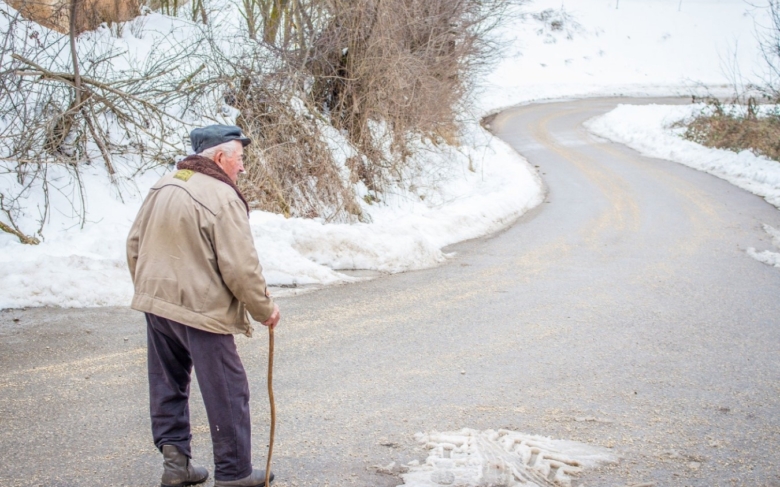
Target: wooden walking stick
(273, 404)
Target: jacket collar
(208, 167)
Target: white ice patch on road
(649, 130)
(767, 256)
(774, 233)
(503, 458)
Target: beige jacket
(192, 257)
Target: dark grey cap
(213, 135)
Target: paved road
(622, 312)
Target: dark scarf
(208, 167)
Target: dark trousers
(173, 349)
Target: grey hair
(228, 148)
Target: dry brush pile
(737, 128)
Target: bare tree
(70, 113)
(769, 37)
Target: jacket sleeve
(132, 246)
(237, 260)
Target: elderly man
(196, 275)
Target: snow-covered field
(642, 48)
(579, 48)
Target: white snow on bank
(643, 47)
(78, 268)
(648, 129)
(475, 458)
(407, 232)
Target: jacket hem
(149, 304)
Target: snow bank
(507, 458)
(644, 47)
(467, 193)
(452, 194)
(407, 232)
(648, 129)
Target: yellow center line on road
(623, 213)
(427, 300)
(698, 206)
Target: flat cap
(212, 135)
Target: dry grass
(737, 130)
(743, 124)
(384, 73)
(289, 168)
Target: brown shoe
(178, 471)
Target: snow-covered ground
(642, 48)
(581, 48)
(469, 192)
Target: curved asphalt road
(622, 312)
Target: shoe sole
(184, 484)
(261, 484)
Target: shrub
(383, 73)
(737, 129)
